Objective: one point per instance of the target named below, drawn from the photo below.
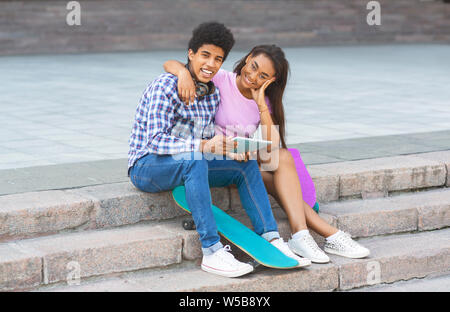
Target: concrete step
(95, 207)
(31, 262)
(393, 258)
(429, 284)
(417, 211)
(47, 234)
(379, 177)
(410, 212)
(48, 212)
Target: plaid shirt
(163, 124)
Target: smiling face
(206, 62)
(257, 70)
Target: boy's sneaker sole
(237, 273)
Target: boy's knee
(197, 164)
(187, 156)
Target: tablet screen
(250, 145)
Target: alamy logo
(374, 16)
(74, 16)
(73, 277)
(373, 273)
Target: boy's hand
(186, 87)
(219, 144)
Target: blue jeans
(198, 172)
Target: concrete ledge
(397, 257)
(323, 278)
(19, 269)
(159, 244)
(121, 203)
(442, 157)
(102, 206)
(93, 252)
(327, 185)
(377, 177)
(403, 213)
(440, 283)
(361, 218)
(35, 213)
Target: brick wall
(40, 26)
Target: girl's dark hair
(275, 90)
(212, 33)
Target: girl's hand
(259, 94)
(186, 87)
(242, 156)
(237, 156)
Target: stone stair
(397, 257)
(115, 237)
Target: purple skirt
(308, 189)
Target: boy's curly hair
(212, 33)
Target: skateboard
(244, 238)
(316, 208)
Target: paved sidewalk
(58, 109)
(64, 176)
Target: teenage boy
(171, 144)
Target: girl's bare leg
(283, 184)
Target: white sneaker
(343, 245)
(284, 248)
(307, 248)
(223, 263)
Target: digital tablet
(249, 145)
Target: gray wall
(40, 26)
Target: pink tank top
(236, 115)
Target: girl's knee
(285, 156)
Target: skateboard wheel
(254, 263)
(188, 224)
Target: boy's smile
(206, 62)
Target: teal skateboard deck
(241, 236)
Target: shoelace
(312, 244)
(346, 240)
(285, 248)
(227, 256)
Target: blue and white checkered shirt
(163, 124)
